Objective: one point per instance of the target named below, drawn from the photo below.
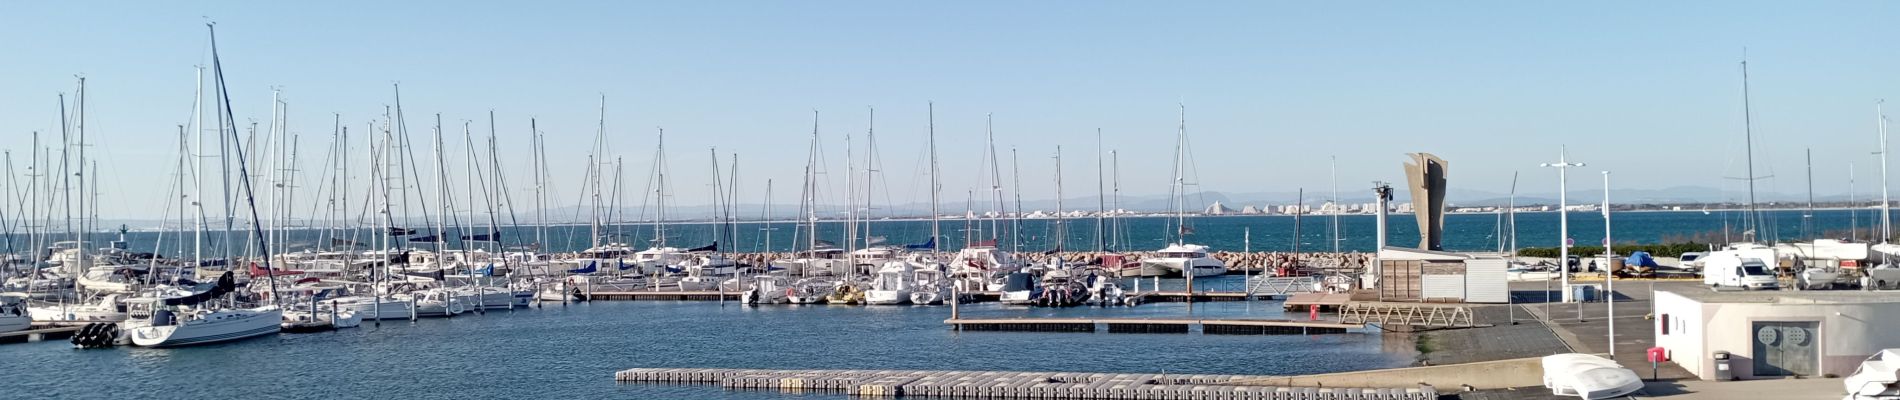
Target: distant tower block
(1426, 174)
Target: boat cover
(206, 292)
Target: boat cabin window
(1185, 254)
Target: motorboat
(845, 293)
(102, 308)
(766, 290)
(1182, 259)
(13, 314)
(1018, 289)
(1060, 288)
(1104, 291)
(809, 291)
(1588, 376)
(893, 284)
(1877, 378)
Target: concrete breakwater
(1253, 261)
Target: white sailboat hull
(220, 326)
(367, 309)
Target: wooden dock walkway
(1158, 325)
(1013, 385)
(702, 295)
(39, 333)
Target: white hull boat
(1184, 260)
(366, 308)
(13, 317)
(894, 283)
(1876, 378)
(168, 329)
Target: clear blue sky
(1651, 90)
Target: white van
(1723, 268)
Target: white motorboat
(1181, 259)
(98, 309)
(1877, 378)
(809, 291)
(894, 283)
(13, 315)
(767, 290)
(1018, 289)
(1588, 376)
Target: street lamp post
(1563, 165)
(1609, 277)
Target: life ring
(455, 307)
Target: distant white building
(1217, 209)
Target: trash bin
(1722, 371)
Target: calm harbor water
(572, 351)
(1468, 232)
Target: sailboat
(197, 318)
(1181, 258)
(1744, 264)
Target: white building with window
(1773, 334)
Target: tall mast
(198, 197)
(850, 230)
(81, 127)
(1807, 219)
(441, 196)
(1101, 197)
(1116, 233)
(811, 191)
(935, 223)
(1336, 206)
(870, 152)
(1748, 132)
(1062, 229)
(540, 186)
(250, 197)
(1886, 217)
(1180, 177)
(1016, 221)
(996, 177)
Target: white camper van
(1740, 265)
